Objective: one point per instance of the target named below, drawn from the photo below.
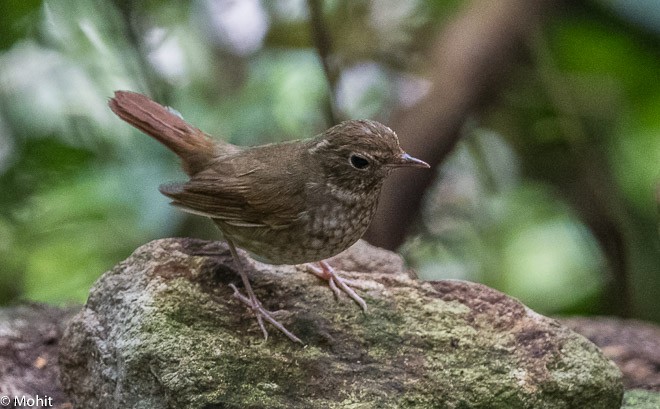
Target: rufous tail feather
(194, 147)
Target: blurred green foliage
(79, 187)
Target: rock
(634, 346)
(641, 399)
(161, 330)
(29, 337)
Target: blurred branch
(323, 44)
(591, 191)
(131, 18)
(470, 61)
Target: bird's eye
(359, 162)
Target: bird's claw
(263, 314)
(337, 283)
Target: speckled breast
(321, 233)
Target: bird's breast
(327, 228)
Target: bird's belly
(317, 236)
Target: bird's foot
(337, 283)
(263, 314)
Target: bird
(293, 202)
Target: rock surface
(29, 337)
(641, 399)
(634, 346)
(162, 330)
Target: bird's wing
(255, 196)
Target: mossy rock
(162, 330)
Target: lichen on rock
(161, 329)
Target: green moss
(641, 399)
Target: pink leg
(251, 301)
(337, 283)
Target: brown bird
(286, 203)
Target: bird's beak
(408, 161)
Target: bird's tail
(194, 147)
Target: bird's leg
(337, 283)
(251, 300)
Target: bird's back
(273, 201)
